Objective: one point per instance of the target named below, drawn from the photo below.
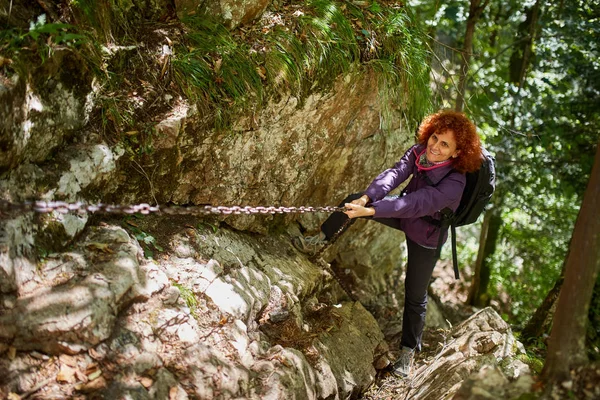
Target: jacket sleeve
(425, 201)
(391, 178)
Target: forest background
(528, 74)
(533, 90)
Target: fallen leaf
(12, 353)
(94, 375)
(13, 396)
(261, 71)
(218, 63)
(94, 354)
(103, 247)
(190, 232)
(68, 360)
(5, 61)
(146, 382)
(92, 385)
(66, 375)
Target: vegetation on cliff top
(293, 48)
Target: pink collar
(422, 168)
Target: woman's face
(441, 146)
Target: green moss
(189, 297)
(535, 363)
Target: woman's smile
(442, 146)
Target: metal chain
(338, 278)
(316, 258)
(9, 208)
(334, 238)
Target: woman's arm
(425, 201)
(391, 178)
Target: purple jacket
(421, 198)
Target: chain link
(318, 259)
(9, 208)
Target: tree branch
(444, 68)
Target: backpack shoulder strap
(454, 256)
(438, 252)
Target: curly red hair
(465, 133)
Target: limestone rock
(490, 383)
(482, 340)
(236, 12)
(73, 304)
(36, 116)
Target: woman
(448, 147)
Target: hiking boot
(402, 366)
(309, 245)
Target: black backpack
(478, 191)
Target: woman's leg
(337, 219)
(421, 262)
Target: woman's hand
(361, 201)
(356, 210)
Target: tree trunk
(566, 347)
(497, 25)
(539, 322)
(485, 226)
(521, 57)
(592, 342)
(475, 10)
(490, 230)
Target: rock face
(231, 12)
(484, 339)
(225, 314)
(309, 153)
(40, 114)
(222, 314)
(477, 359)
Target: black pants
(421, 262)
